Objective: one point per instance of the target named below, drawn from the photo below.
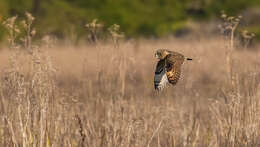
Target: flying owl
(168, 69)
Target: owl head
(161, 53)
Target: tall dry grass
(102, 94)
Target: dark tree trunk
(36, 7)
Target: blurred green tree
(67, 18)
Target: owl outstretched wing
(160, 77)
(173, 68)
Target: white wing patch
(160, 78)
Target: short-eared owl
(168, 69)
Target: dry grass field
(102, 95)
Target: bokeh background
(153, 18)
(68, 85)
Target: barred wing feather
(160, 77)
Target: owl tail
(188, 58)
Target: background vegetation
(101, 93)
(67, 18)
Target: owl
(168, 68)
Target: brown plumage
(168, 69)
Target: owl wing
(160, 77)
(173, 68)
